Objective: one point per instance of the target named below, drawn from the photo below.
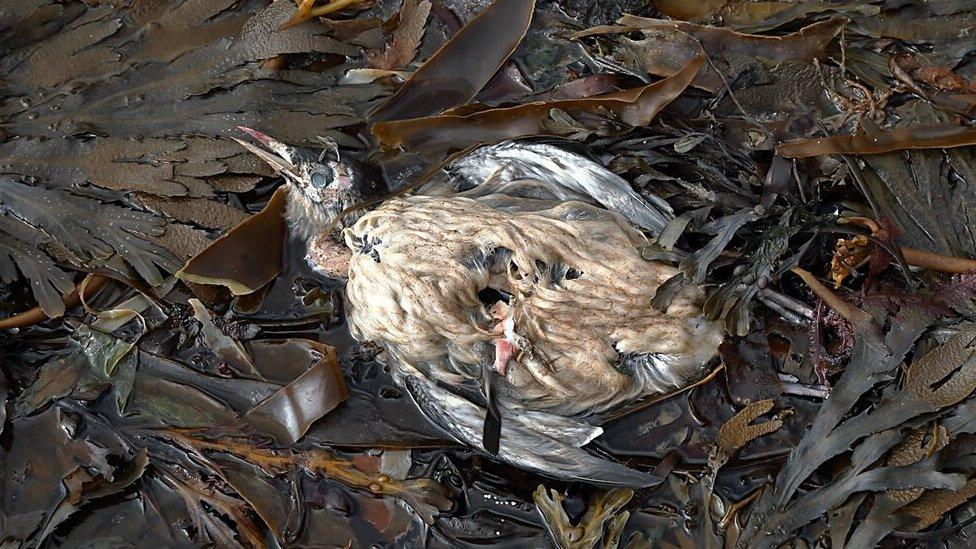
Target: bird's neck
(307, 220)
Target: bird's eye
(321, 179)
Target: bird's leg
(504, 349)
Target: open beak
(279, 156)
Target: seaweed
(815, 155)
(668, 45)
(462, 67)
(602, 524)
(90, 230)
(437, 136)
(914, 138)
(402, 48)
(291, 410)
(248, 256)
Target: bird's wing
(563, 172)
(545, 443)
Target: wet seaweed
(230, 406)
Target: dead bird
(512, 307)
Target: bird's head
(321, 183)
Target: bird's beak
(279, 156)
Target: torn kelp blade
(290, 411)
(67, 470)
(247, 257)
(937, 136)
(458, 71)
(668, 45)
(435, 136)
(758, 16)
(402, 47)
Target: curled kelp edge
(290, 411)
(449, 78)
(436, 136)
(248, 256)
